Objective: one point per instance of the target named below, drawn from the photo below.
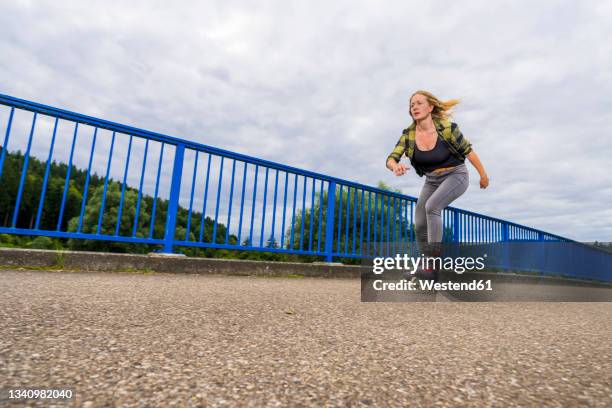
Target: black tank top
(438, 157)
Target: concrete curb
(110, 262)
(102, 261)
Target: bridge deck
(135, 339)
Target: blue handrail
(327, 214)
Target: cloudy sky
(324, 86)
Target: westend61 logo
(458, 265)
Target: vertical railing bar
(445, 225)
(401, 226)
(320, 217)
(361, 222)
(405, 228)
(127, 163)
(450, 225)
(244, 174)
(7, 137)
(244, 178)
(354, 219)
(329, 223)
(388, 225)
(483, 233)
(231, 199)
(24, 171)
(159, 166)
(284, 211)
(472, 228)
(202, 220)
(470, 222)
(138, 200)
(191, 193)
(303, 214)
(293, 212)
(485, 230)
(381, 226)
(369, 215)
(454, 216)
(474, 221)
(458, 229)
(338, 244)
(67, 180)
(263, 210)
(87, 177)
(375, 236)
(253, 205)
(214, 237)
(274, 206)
(46, 179)
(412, 227)
(394, 240)
(312, 208)
(348, 219)
(173, 201)
(103, 203)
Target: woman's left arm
(475, 160)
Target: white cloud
(324, 86)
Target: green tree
(392, 214)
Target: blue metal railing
(209, 197)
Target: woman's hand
(399, 169)
(484, 181)
(475, 160)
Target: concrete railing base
(156, 262)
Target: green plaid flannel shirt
(448, 131)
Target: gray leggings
(440, 189)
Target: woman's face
(419, 107)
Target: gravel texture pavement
(137, 340)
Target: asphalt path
(136, 340)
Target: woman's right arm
(399, 169)
(393, 159)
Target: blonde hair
(442, 109)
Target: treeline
(135, 213)
(133, 222)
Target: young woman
(436, 149)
